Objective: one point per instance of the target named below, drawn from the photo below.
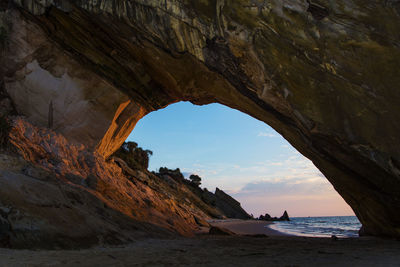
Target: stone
(284, 217)
(362, 231)
(267, 217)
(324, 74)
(214, 230)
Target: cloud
(301, 193)
(294, 175)
(296, 205)
(288, 186)
(293, 171)
(289, 182)
(276, 163)
(267, 134)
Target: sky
(240, 155)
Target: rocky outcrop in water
(285, 217)
(267, 217)
(324, 74)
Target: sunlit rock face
(324, 74)
(56, 194)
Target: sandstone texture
(324, 74)
(54, 194)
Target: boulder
(267, 216)
(214, 230)
(284, 217)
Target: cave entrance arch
(240, 155)
(328, 85)
(344, 169)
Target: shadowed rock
(284, 217)
(267, 217)
(229, 206)
(214, 230)
(201, 222)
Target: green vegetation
(188, 190)
(195, 180)
(136, 157)
(175, 174)
(169, 181)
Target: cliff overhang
(324, 74)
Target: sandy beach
(219, 251)
(206, 250)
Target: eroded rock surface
(324, 74)
(54, 194)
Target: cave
(327, 85)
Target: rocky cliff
(324, 74)
(230, 206)
(54, 194)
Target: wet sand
(207, 250)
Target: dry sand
(206, 250)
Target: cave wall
(323, 74)
(51, 88)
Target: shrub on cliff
(136, 157)
(174, 174)
(195, 180)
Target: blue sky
(240, 155)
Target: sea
(340, 226)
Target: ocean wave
(320, 226)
